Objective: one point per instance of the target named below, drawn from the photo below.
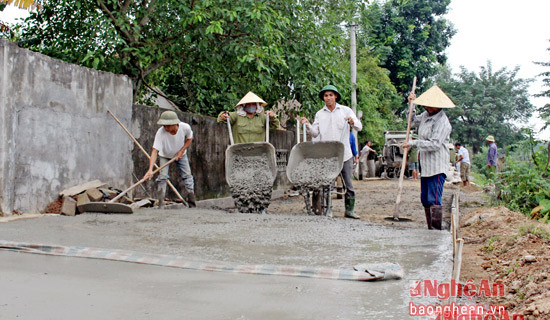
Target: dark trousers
(347, 175)
(431, 190)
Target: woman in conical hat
(248, 121)
(432, 144)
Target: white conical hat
(434, 97)
(250, 97)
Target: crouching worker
(172, 140)
(432, 144)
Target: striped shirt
(432, 142)
(329, 125)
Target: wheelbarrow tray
(105, 207)
(245, 150)
(316, 150)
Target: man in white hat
(248, 122)
(172, 140)
(328, 125)
(492, 155)
(434, 130)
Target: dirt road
(375, 202)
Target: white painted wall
(54, 129)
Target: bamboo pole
(404, 162)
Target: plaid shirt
(432, 142)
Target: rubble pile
(71, 199)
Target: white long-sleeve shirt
(328, 126)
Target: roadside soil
(505, 246)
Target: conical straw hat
(434, 97)
(250, 97)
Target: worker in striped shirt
(434, 130)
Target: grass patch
(479, 179)
(490, 244)
(534, 230)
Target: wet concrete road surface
(119, 290)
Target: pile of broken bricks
(72, 198)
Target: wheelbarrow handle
(267, 126)
(343, 137)
(141, 181)
(298, 130)
(304, 132)
(229, 129)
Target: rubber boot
(316, 202)
(161, 191)
(191, 199)
(350, 205)
(437, 216)
(428, 217)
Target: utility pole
(353, 60)
(353, 63)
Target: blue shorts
(431, 190)
(413, 166)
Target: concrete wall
(54, 129)
(206, 154)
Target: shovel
(112, 206)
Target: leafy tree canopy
(487, 103)
(204, 55)
(409, 37)
(545, 110)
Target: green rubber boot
(350, 205)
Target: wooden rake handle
(142, 180)
(404, 162)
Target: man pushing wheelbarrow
(331, 124)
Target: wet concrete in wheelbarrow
(251, 183)
(288, 239)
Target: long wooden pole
(404, 162)
(146, 154)
(141, 181)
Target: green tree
(410, 38)
(487, 103)
(377, 98)
(139, 38)
(309, 48)
(545, 110)
(203, 54)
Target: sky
(509, 33)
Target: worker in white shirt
(328, 125)
(363, 159)
(464, 160)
